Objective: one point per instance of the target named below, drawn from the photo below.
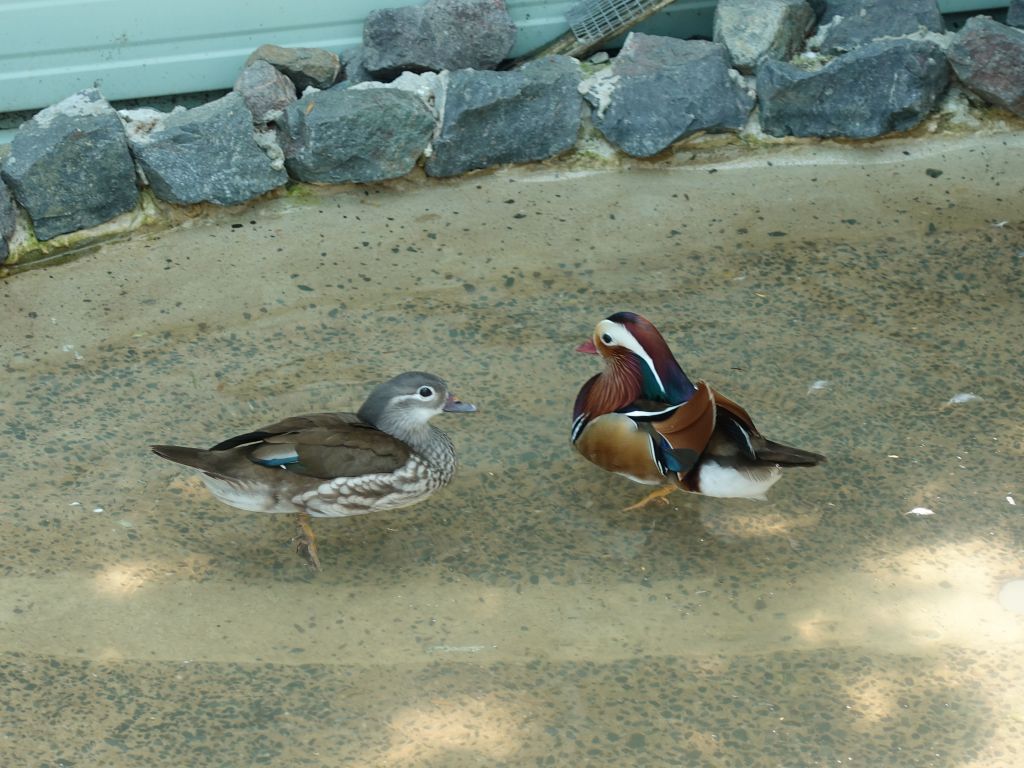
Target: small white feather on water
(962, 397)
(816, 385)
(921, 512)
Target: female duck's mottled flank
(336, 464)
(643, 418)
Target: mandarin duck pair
(641, 418)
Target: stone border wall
(80, 171)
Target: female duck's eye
(606, 338)
(426, 392)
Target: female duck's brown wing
(322, 445)
(290, 424)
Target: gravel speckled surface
(845, 296)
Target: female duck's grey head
(409, 401)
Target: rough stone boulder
(7, 219)
(304, 66)
(755, 29)
(441, 34)
(70, 167)
(889, 85)
(428, 86)
(847, 24)
(266, 90)
(1015, 13)
(988, 57)
(206, 154)
(517, 116)
(355, 135)
(352, 63)
(660, 89)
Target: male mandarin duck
(384, 456)
(643, 418)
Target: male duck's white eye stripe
(628, 340)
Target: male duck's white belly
(714, 479)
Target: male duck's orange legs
(660, 493)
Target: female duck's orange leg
(305, 542)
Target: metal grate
(591, 20)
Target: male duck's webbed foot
(305, 541)
(655, 495)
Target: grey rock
(818, 6)
(847, 24)
(491, 118)
(8, 216)
(206, 154)
(428, 86)
(754, 29)
(888, 85)
(355, 135)
(266, 90)
(662, 89)
(442, 34)
(1015, 13)
(352, 65)
(304, 66)
(988, 57)
(69, 166)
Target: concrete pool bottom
(520, 618)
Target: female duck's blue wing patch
(275, 454)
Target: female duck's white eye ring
(426, 393)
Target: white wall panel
(142, 48)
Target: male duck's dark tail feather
(787, 456)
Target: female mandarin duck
(643, 418)
(336, 464)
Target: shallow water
(845, 296)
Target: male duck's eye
(426, 392)
(606, 338)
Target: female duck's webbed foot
(660, 493)
(305, 541)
